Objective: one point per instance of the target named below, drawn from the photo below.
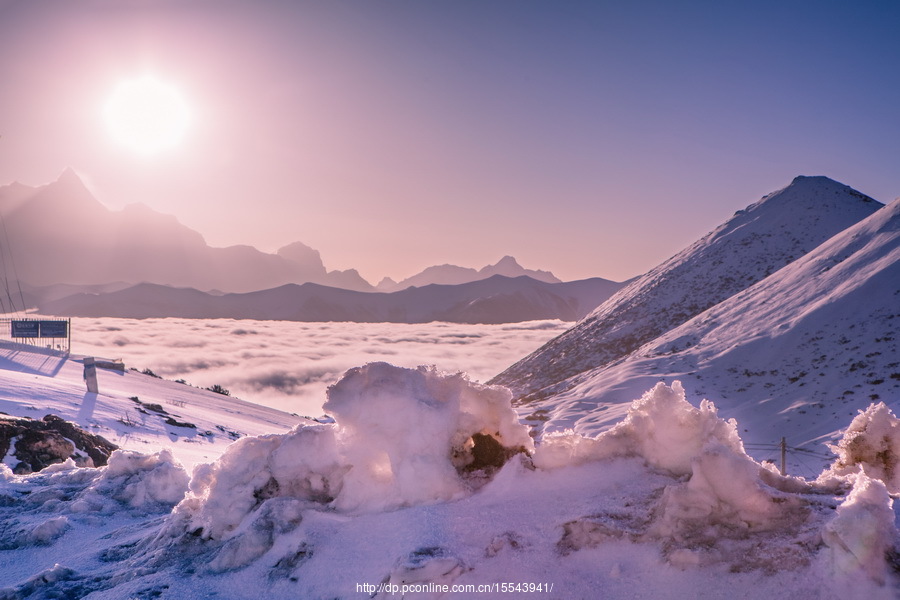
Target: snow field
(404, 488)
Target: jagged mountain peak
(508, 261)
(70, 178)
(448, 274)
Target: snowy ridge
(750, 246)
(795, 355)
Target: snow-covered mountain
(455, 275)
(753, 244)
(60, 234)
(497, 299)
(791, 356)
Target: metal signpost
(28, 330)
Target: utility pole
(783, 454)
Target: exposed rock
(39, 444)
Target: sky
(585, 138)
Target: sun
(146, 115)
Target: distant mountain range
(59, 234)
(453, 275)
(498, 299)
(787, 316)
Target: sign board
(39, 329)
(25, 329)
(53, 329)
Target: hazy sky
(588, 138)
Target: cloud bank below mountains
(288, 365)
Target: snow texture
(425, 479)
(862, 531)
(402, 437)
(871, 445)
(749, 247)
(662, 427)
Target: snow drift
(426, 479)
(417, 437)
(871, 445)
(725, 507)
(402, 437)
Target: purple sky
(587, 138)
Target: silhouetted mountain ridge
(498, 299)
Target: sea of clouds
(288, 365)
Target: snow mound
(862, 532)
(870, 445)
(139, 480)
(401, 437)
(405, 460)
(726, 512)
(722, 507)
(662, 427)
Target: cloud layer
(288, 365)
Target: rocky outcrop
(30, 445)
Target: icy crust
(870, 445)
(725, 508)
(401, 437)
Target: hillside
(794, 355)
(36, 383)
(753, 244)
(498, 299)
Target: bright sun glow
(146, 115)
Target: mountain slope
(495, 300)
(795, 356)
(750, 246)
(60, 234)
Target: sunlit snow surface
(666, 504)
